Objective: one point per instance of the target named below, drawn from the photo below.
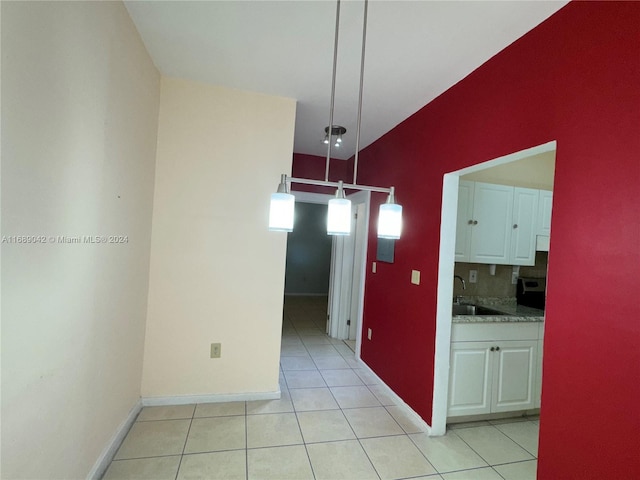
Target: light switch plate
(369, 333)
(374, 267)
(415, 277)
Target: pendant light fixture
(390, 218)
(339, 211)
(282, 206)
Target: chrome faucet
(464, 287)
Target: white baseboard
(103, 461)
(211, 398)
(417, 419)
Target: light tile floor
(334, 421)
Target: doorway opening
(445, 290)
(346, 268)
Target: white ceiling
(415, 50)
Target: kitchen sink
(462, 309)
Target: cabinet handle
(493, 349)
(475, 222)
(497, 349)
(515, 225)
(470, 222)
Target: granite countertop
(514, 313)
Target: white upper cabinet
(496, 224)
(544, 213)
(491, 232)
(523, 233)
(464, 221)
(543, 222)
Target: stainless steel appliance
(530, 292)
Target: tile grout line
(185, 441)
(356, 435)
(518, 443)
(410, 439)
(295, 412)
(246, 439)
(369, 388)
(472, 449)
(380, 404)
(304, 442)
(342, 412)
(521, 447)
(497, 472)
(497, 464)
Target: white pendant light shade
(281, 209)
(339, 214)
(339, 217)
(390, 219)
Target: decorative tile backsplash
(498, 285)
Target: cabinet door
(491, 235)
(514, 375)
(544, 213)
(538, 378)
(464, 220)
(523, 233)
(470, 378)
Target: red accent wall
(574, 79)
(313, 167)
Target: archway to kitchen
(446, 273)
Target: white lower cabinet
(538, 384)
(514, 376)
(492, 376)
(471, 378)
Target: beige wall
(217, 273)
(536, 171)
(80, 99)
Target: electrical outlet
(369, 333)
(515, 273)
(216, 350)
(374, 267)
(473, 276)
(415, 277)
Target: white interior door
(359, 265)
(340, 285)
(346, 285)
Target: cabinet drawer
(479, 332)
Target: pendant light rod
(349, 186)
(364, 41)
(333, 89)
(339, 219)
